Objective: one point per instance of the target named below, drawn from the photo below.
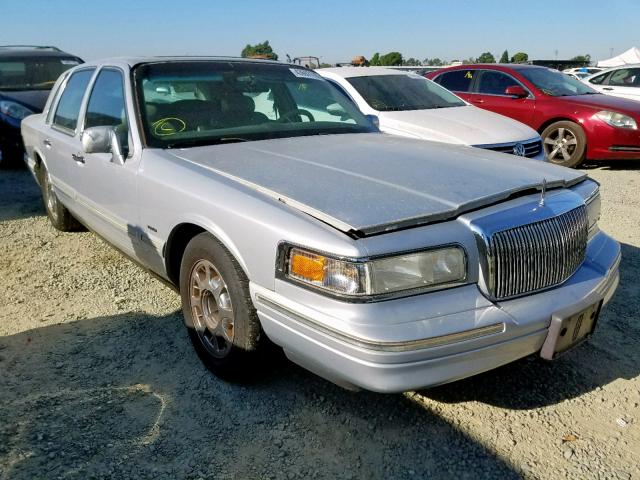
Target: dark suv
(27, 74)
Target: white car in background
(622, 81)
(409, 105)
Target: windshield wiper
(209, 141)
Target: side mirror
(516, 91)
(375, 120)
(102, 140)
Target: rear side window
(68, 109)
(494, 83)
(457, 81)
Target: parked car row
(574, 120)
(279, 211)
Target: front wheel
(564, 143)
(222, 322)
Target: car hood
(466, 125)
(32, 99)
(600, 101)
(372, 183)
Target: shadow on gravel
(19, 195)
(126, 397)
(610, 354)
(619, 165)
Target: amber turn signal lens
(307, 266)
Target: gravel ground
(98, 380)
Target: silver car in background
(278, 210)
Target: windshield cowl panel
(195, 103)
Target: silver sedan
(279, 211)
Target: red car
(574, 121)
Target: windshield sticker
(168, 126)
(468, 75)
(301, 73)
(69, 62)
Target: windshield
(33, 73)
(403, 92)
(555, 83)
(207, 102)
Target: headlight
(423, 270)
(593, 213)
(617, 120)
(14, 110)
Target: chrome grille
(538, 255)
(531, 147)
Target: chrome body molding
(383, 346)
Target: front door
(106, 184)
(489, 93)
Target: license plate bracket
(568, 331)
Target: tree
(582, 58)
(469, 61)
(391, 59)
(505, 57)
(411, 62)
(433, 62)
(259, 49)
(486, 57)
(375, 60)
(519, 57)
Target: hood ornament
(543, 192)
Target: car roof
(348, 72)
(25, 51)
(133, 61)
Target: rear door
(489, 92)
(459, 82)
(61, 141)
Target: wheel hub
(211, 308)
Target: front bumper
(609, 143)
(427, 341)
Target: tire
(221, 320)
(59, 216)
(564, 143)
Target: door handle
(478, 100)
(607, 88)
(47, 143)
(77, 158)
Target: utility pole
(556, 50)
(610, 52)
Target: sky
(333, 30)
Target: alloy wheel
(212, 310)
(560, 144)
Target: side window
(494, 83)
(458, 80)
(625, 77)
(599, 80)
(68, 109)
(107, 108)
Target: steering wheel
(297, 111)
